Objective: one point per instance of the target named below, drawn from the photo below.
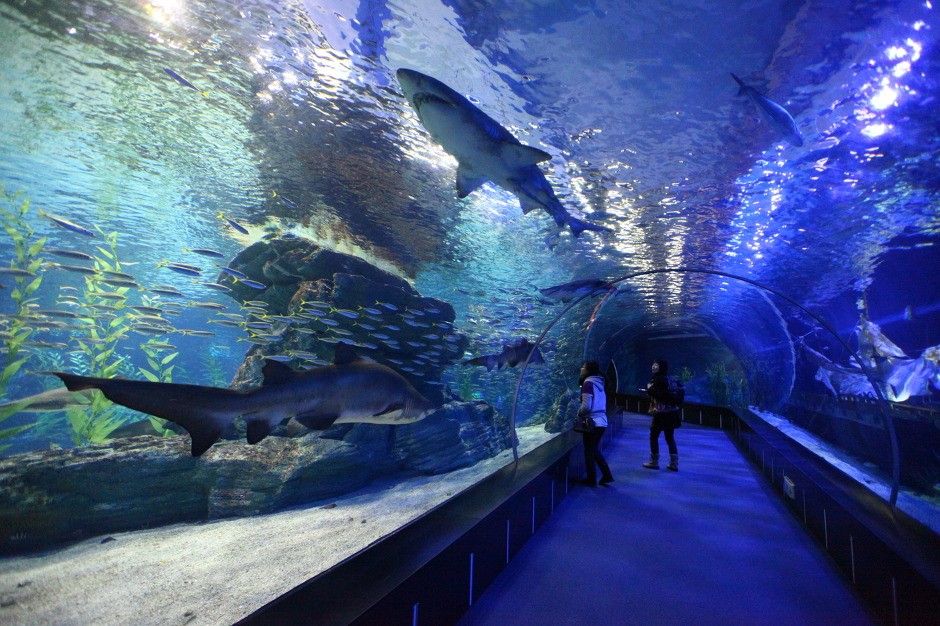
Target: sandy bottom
(919, 506)
(218, 572)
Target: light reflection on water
(301, 127)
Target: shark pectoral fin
(517, 155)
(203, 433)
(527, 204)
(467, 182)
(392, 408)
(316, 421)
(257, 430)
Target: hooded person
(594, 403)
(667, 417)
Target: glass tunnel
(282, 277)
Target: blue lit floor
(711, 544)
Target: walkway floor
(711, 544)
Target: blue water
(296, 124)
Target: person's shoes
(673, 463)
(606, 481)
(653, 463)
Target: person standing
(667, 417)
(594, 402)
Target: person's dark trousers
(670, 440)
(593, 456)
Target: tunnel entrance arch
(880, 399)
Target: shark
(484, 149)
(513, 354)
(575, 289)
(773, 113)
(349, 390)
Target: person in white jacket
(594, 402)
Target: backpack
(675, 391)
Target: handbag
(583, 422)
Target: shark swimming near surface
(484, 149)
(776, 115)
(351, 389)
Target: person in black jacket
(666, 417)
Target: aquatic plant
(106, 322)
(212, 368)
(686, 374)
(726, 389)
(23, 269)
(161, 371)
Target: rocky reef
(303, 300)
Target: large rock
(380, 314)
(56, 496)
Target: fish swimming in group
(576, 289)
(776, 115)
(513, 353)
(484, 149)
(351, 389)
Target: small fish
(347, 313)
(75, 228)
(234, 224)
(208, 305)
(182, 268)
(371, 310)
(15, 271)
(254, 284)
(205, 252)
(288, 203)
(216, 286)
(168, 292)
(232, 272)
(329, 322)
(198, 333)
(183, 81)
(69, 254)
(387, 305)
(260, 303)
(78, 269)
(114, 274)
(146, 329)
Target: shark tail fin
(180, 404)
(578, 226)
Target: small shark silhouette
(776, 115)
(351, 389)
(575, 289)
(513, 354)
(484, 149)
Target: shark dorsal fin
(467, 181)
(518, 155)
(344, 355)
(276, 372)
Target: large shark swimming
(351, 389)
(484, 149)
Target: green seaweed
(97, 341)
(23, 268)
(161, 371)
